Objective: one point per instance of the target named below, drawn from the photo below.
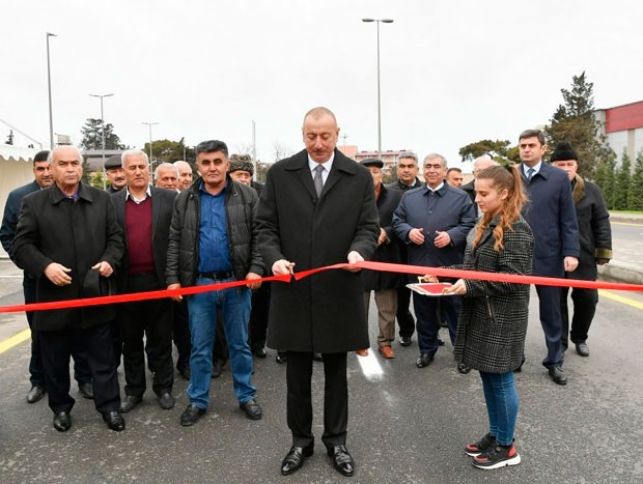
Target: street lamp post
(379, 102)
(102, 119)
(51, 122)
(149, 125)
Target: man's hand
(416, 236)
(103, 268)
(282, 266)
(353, 258)
(176, 285)
(570, 263)
(459, 288)
(58, 274)
(383, 238)
(428, 278)
(442, 239)
(252, 276)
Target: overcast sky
(453, 71)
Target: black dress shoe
(440, 342)
(558, 375)
(114, 420)
(342, 460)
(464, 369)
(191, 414)
(62, 421)
(318, 357)
(405, 340)
(166, 400)
(252, 409)
(36, 393)
(185, 373)
(281, 357)
(424, 360)
(260, 352)
(129, 402)
(295, 459)
(86, 390)
(217, 368)
(582, 349)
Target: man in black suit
(144, 213)
(317, 208)
(67, 234)
(42, 179)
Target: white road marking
(371, 368)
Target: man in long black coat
(64, 234)
(317, 208)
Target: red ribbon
(373, 266)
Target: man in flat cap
(115, 174)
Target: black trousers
(152, 319)
(82, 373)
(181, 334)
(585, 301)
(404, 317)
(56, 347)
(299, 409)
(259, 317)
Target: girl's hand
(459, 288)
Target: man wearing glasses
(434, 222)
(213, 240)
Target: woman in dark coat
(493, 322)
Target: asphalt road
(406, 425)
(626, 232)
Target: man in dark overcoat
(144, 213)
(595, 236)
(64, 233)
(550, 214)
(42, 179)
(317, 208)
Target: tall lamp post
(379, 102)
(149, 125)
(102, 119)
(51, 122)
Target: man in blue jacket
(434, 221)
(550, 213)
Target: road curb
(621, 272)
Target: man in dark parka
(317, 208)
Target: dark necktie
(318, 181)
(530, 173)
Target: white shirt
(148, 193)
(436, 188)
(312, 164)
(536, 168)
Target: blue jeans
(234, 304)
(502, 404)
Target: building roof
(16, 153)
(624, 117)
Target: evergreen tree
(635, 193)
(93, 139)
(605, 179)
(574, 122)
(622, 183)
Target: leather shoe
(281, 357)
(36, 393)
(295, 459)
(191, 414)
(405, 340)
(582, 349)
(252, 409)
(114, 420)
(62, 421)
(86, 390)
(318, 357)
(166, 400)
(129, 402)
(185, 373)
(217, 368)
(260, 352)
(424, 360)
(387, 352)
(342, 460)
(558, 375)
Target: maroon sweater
(138, 226)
